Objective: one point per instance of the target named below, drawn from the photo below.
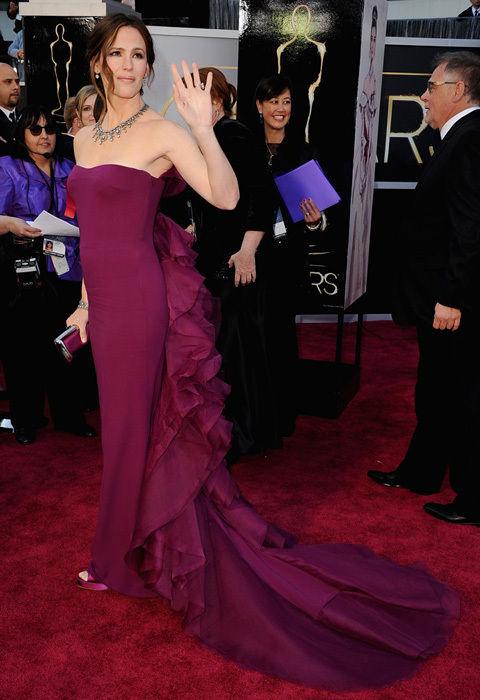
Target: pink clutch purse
(69, 342)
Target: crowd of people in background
(253, 260)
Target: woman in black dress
(287, 274)
(233, 249)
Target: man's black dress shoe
(81, 430)
(385, 478)
(392, 479)
(25, 436)
(448, 512)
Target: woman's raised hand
(192, 98)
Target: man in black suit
(9, 96)
(440, 293)
(473, 11)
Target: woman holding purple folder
(284, 151)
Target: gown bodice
(117, 206)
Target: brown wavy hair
(221, 89)
(100, 41)
(69, 112)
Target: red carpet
(60, 642)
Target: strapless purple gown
(172, 521)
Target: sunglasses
(36, 129)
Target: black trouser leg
(32, 364)
(62, 390)
(81, 373)
(430, 450)
(22, 363)
(24, 386)
(465, 464)
(61, 381)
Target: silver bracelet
(321, 224)
(82, 305)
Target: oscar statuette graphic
(301, 19)
(61, 57)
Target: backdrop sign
(405, 141)
(312, 43)
(366, 128)
(405, 144)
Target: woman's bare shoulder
(165, 126)
(84, 134)
(81, 138)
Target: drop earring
(260, 117)
(97, 75)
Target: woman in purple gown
(172, 522)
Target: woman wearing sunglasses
(35, 292)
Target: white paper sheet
(51, 225)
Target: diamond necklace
(100, 135)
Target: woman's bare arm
(199, 160)
(79, 317)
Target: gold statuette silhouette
(61, 55)
(301, 19)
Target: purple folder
(307, 180)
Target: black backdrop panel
(405, 143)
(267, 26)
(56, 66)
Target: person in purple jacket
(35, 293)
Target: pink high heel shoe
(89, 583)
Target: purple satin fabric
(172, 522)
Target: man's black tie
(13, 117)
